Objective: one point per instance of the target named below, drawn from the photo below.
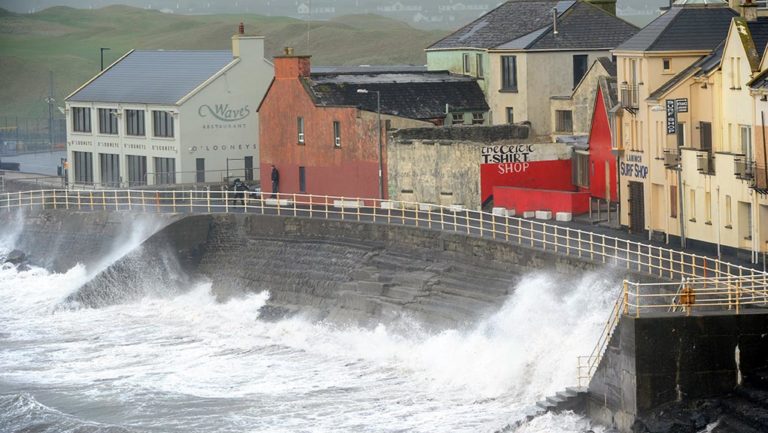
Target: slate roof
(412, 95)
(760, 82)
(511, 20)
(367, 69)
(608, 64)
(759, 31)
(683, 28)
(584, 26)
(153, 77)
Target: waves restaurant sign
(223, 116)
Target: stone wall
(651, 361)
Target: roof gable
(683, 29)
(511, 20)
(411, 95)
(585, 26)
(153, 77)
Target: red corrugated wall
(554, 174)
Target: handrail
(652, 260)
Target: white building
(165, 117)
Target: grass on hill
(67, 41)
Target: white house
(166, 117)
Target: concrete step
(729, 424)
(747, 412)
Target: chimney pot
(241, 29)
(288, 51)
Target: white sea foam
(190, 363)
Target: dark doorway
(248, 168)
(200, 167)
(636, 207)
(302, 180)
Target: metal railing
(633, 256)
(630, 96)
(729, 293)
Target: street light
(102, 56)
(378, 121)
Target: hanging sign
(681, 105)
(671, 117)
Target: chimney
(749, 10)
(241, 29)
(290, 66)
(606, 5)
(251, 47)
(554, 21)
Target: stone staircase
(572, 399)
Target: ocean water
(187, 363)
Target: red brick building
(321, 129)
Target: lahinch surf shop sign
(510, 158)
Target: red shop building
(326, 132)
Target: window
(162, 124)
(510, 115)
(705, 131)
(108, 121)
(673, 201)
(110, 169)
(137, 169)
(134, 122)
(467, 66)
(667, 65)
(479, 61)
(579, 68)
(478, 118)
(302, 179)
(336, 133)
(680, 131)
(564, 121)
(581, 167)
(81, 119)
(457, 118)
(728, 219)
(248, 162)
(165, 171)
(83, 166)
(200, 170)
(708, 207)
(746, 142)
(300, 129)
(692, 204)
(509, 73)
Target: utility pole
(50, 102)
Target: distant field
(67, 41)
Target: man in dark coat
(275, 181)
(238, 187)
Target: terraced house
(526, 51)
(166, 117)
(691, 138)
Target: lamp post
(101, 50)
(378, 122)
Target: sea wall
(656, 360)
(333, 270)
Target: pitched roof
(153, 77)
(584, 26)
(608, 64)
(412, 95)
(760, 81)
(699, 68)
(511, 20)
(683, 28)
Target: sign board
(671, 117)
(681, 105)
(633, 166)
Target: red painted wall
(348, 171)
(527, 199)
(600, 152)
(554, 174)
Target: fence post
(130, 204)
(91, 196)
(637, 300)
(173, 201)
(66, 198)
(466, 221)
(54, 200)
(117, 203)
(226, 201)
(294, 206)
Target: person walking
(275, 181)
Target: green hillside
(67, 41)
